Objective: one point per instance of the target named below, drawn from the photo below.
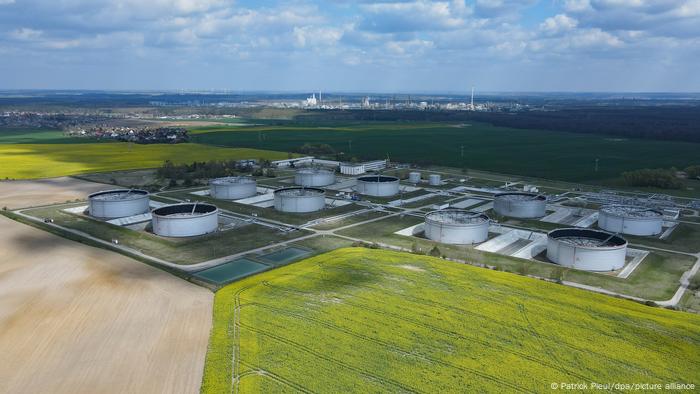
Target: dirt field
(76, 319)
(20, 194)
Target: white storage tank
(233, 188)
(627, 219)
(313, 177)
(434, 180)
(520, 205)
(586, 249)
(414, 177)
(456, 226)
(377, 185)
(118, 203)
(299, 199)
(185, 220)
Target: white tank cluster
(299, 199)
(586, 249)
(414, 177)
(233, 188)
(118, 203)
(314, 177)
(627, 219)
(520, 205)
(455, 226)
(185, 220)
(434, 180)
(377, 185)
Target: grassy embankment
(381, 321)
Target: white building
(310, 101)
(361, 168)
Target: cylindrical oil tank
(520, 205)
(313, 177)
(377, 185)
(119, 203)
(627, 219)
(233, 188)
(586, 249)
(185, 220)
(455, 226)
(414, 177)
(434, 180)
(299, 199)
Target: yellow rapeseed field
(360, 320)
(24, 161)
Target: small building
(361, 168)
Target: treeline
(191, 173)
(658, 177)
(680, 123)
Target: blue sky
(343, 45)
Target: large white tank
(311, 177)
(630, 220)
(185, 220)
(299, 199)
(520, 205)
(118, 203)
(414, 177)
(586, 249)
(455, 226)
(377, 185)
(434, 180)
(233, 188)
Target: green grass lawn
(537, 153)
(655, 279)
(184, 251)
(39, 136)
(379, 321)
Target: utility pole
(462, 147)
(596, 165)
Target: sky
(356, 46)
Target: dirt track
(76, 319)
(27, 193)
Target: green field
(58, 159)
(545, 154)
(378, 321)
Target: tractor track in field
(461, 337)
(423, 301)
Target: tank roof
(118, 195)
(186, 209)
(632, 211)
(587, 237)
(378, 178)
(456, 216)
(314, 171)
(232, 180)
(300, 191)
(520, 196)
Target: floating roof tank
(520, 205)
(586, 249)
(456, 226)
(299, 199)
(185, 220)
(377, 185)
(632, 220)
(118, 203)
(312, 177)
(232, 188)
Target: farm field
(545, 154)
(77, 319)
(395, 322)
(22, 161)
(27, 193)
